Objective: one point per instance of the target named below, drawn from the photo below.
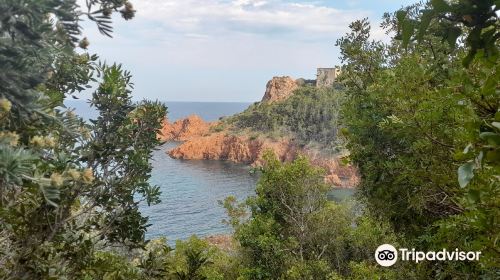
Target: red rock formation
(241, 149)
(220, 146)
(184, 129)
(279, 88)
(336, 174)
(201, 144)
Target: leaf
(489, 87)
(465, 174)
(51, 194)
(426, 18)
(440, 6)
(466, 150)
(407, 32)
(491, 137)
(493, 156)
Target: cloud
(266, 18)
(221, 50)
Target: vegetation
(310, 115)
(293, 232)
(69, 191)
(420, 117)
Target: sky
(227, 50)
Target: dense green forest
(419, 115)
(309, 116)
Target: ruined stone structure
(326, 76)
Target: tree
(69, 190)
(411, 110)
(309, 116)
(293, 232)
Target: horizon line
(176, 101)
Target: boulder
(279, 88)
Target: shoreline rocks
(202, 145)
(202, 142)
(184, 129)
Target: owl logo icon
(386, 255)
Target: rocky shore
(202, 142)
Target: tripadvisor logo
(387, 255)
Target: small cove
(191, 189)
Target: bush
(309, 115)
(293, 232)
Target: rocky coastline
(201, 141)
(201, 144)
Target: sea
(191, 190)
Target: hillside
(291, 120)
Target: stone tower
(327, 76)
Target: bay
(191, 190)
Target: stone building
(326, 76)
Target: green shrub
(309, 115)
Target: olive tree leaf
(465, 174)
(51, 194)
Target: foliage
(421, 119)
(196, 259)
(476, 20)
(309, 115)
(110, 266)
(69, 190)
(420, 128)
(293, 232)
(36, 48)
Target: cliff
(221, 146)
(279, 88)
(184, 129)
(232, 142)
(242, 149)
